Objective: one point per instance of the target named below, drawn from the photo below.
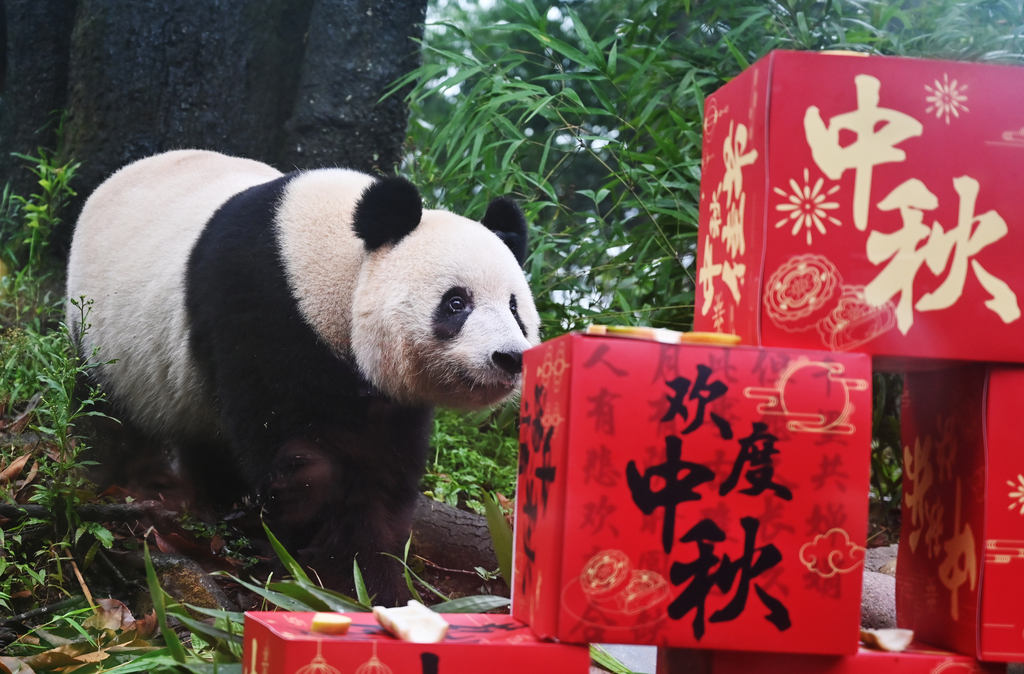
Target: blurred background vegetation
(589, 113)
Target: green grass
(473, 454)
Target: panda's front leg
(336, 496)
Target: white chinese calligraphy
(971, 234)
(878, 131)
(727, 227)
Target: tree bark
(452, 538)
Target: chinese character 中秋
(702, 579)
(676, 490)
(961, 562)
(917, 471)
(971, 234)
(874, 145)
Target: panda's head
(442, 311)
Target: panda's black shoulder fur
(281, 390)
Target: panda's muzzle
(509, 361)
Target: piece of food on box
(330, 623)
(415, 622)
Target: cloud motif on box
(830, 553)
(812, 395)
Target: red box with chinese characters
(694, 496)
(282, 643)
(917, 659)
(857, 203)
(960, 572)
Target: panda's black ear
(387, 210)
(504, 218)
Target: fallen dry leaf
(11, 473)
(110, 614)
(14, 666)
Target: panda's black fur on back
(301, 422)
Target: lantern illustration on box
(318, 665)
(374, 665)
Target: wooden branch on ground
(451, 538)
(111, 512)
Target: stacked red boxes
(850, 204)
(692, 496)
(870, 204)
(283, 643)
(960, 581)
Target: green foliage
(26, 242)
(473, 454)
(49, 365)
(501, 537)
(58, 412)
(886, 451)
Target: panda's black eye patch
(451, 312)
(514, 308)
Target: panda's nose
(509, 361)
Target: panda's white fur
(131, 247)
(425, 308)
(128, 257)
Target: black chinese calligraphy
(676, 489)
(536, 467)
(703, 393)
(756, 452)
(708, 571)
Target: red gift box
(282, 643)
(857, 203)
(917, 659)
(960, 572)
(697, 496)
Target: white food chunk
(415, 623)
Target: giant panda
(287, 336)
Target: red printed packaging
(960, 572)
(282, 643)
(693, 496)
(857, 203)
(917, 659)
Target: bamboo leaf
(501, 537)
(361, 594)
(289, 562)
(474, 604)
(174, 645)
